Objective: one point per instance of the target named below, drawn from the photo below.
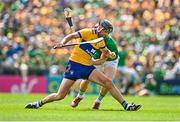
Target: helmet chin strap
(99, 29)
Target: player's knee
(108, 84)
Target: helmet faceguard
(107, 26)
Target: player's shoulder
(87, 29)
(85, 32)
(109, 38)
(90, 31)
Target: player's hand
(105, 54)
(112, 55)
(58, 45)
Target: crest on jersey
(68, 67)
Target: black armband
(69, 20)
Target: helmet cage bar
(107, 27)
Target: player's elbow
(70, 37)
(74, 35)
(97, 62)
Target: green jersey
(122, 55)
(111, 45)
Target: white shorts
(112, 64)
(127, 70)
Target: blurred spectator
(150, 84)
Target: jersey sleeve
(101, 44)
(84, 33)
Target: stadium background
(147, 33)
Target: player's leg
(79, 97)
(62, 92)
(101, 79)
(83, 87)
(109, 71)
(75, 88)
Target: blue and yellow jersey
(83, 53)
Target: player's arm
(102, 59)
(79, 34)
(98, 61)
(106, 53)
(67, 38)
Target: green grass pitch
(158, 108)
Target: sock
(99, 98)
(81, 94)
(74, 93)
(40, 103)
(124, 104)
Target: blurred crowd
(147, 33)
